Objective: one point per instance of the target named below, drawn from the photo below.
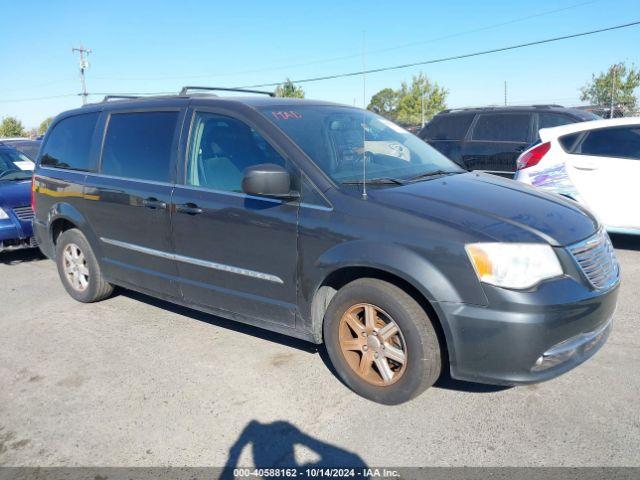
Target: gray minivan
(327, 223)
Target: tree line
(417, 101)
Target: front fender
(394, 259)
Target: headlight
(513, 265)
(3, 215)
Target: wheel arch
(345, 274)
(64, 216)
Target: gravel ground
(133, 381)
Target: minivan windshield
(14, 165)
(343, 140)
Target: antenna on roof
(364, 114)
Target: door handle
(154, 203)
(188, 208)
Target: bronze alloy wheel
(372, 344)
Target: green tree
(619, 83)
(11, 127)
(385, 103)
(289, 89)
(405, 105)
(410, 107)
(44, 125)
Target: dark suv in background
(491, 138)
(254, 209)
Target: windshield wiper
(435, 173)
(376, 181)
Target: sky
(160, 46)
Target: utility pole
(422, 103)
(613, 89)
(84, 64)
(505, 93)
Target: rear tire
(78, 268)
(393, 357)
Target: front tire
(381, 342)
(78, 268)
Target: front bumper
(13, 236)
(527, 337)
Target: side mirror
(268, 179)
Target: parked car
(490, 139)
(255, 209)
(15, 197)
(24, 145)
(596, 164)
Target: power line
(448, 59)
(357, 55)
(382, 69)
(33, 99)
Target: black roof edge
(498, 107)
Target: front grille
(24, 213)
(597, 260)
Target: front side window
(139, 145)
(69, 143)
(343, 140)
(621, 142)
(502, 127)
(221, 148)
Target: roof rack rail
(548, 105)
(184, 90)
(118, 97)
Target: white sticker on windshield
(392, 126)
(24, 165)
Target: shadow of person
(273, 447)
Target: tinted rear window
(138, 145)
(69, 143)
(448, 127)
(503, 127)
(568, 141)
(549, 120)
(623, 142)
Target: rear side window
(503, 127)
(69, 143)
(448, 127)
(138, 145)
(568, 142)
(550, 120)
(623, 142)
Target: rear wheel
(79, 269)
(381, 342)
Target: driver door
(236, 253)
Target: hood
(15, 194)
(493, 207)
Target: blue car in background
(16, 214)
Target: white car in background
(595, 163)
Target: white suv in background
(595, 163)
